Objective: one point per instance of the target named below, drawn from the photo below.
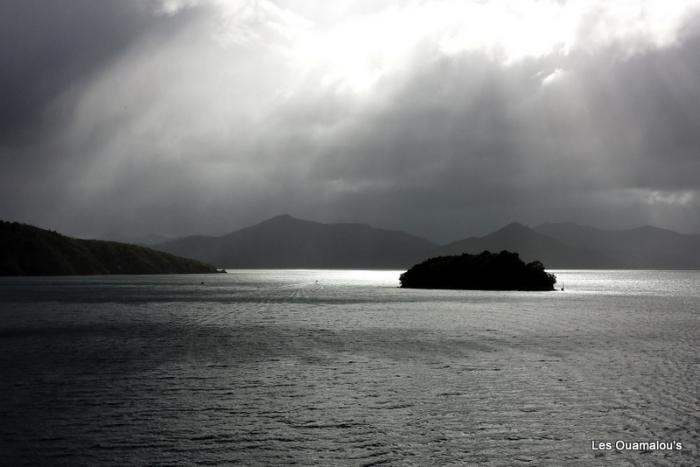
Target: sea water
(345, 368)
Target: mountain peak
(282, 219)
(284, 241)
(513, 227)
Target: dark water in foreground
(341, 367)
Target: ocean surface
(344, 368)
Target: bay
(338, 367)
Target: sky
(127, 118)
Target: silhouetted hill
(485, 271)
(287, 242)
(27, 250)
(643, 247)
(147, 240)
(531, 246)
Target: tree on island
(485, 271)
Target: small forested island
(485, 271)
(26, 250)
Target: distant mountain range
(26, 250)
(531, 245)
(288, 242)
(643, 247)
(568, 245)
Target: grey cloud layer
(141, 121)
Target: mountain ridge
(26, 250)
(284, 241)
(530, 245)
(646, 247)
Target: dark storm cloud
(204, 116)
(501, 146)
(48, 52)
(46, 46)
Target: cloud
(443, 117)
(173, 7)
(553, 77)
